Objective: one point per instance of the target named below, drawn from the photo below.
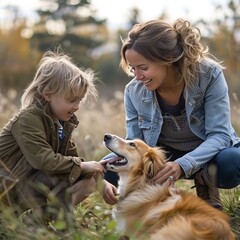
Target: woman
(179, 100)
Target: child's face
(63, 108)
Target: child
(37, 155)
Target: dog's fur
(154, 211)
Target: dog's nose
(107, 137)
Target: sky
(117, 12)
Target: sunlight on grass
(93, 216)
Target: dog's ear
(153, 162)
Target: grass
(231, 202)
(94, 222)
(93, 216)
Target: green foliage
(93, 221)
(231, 202)
(72, 26)
(17, 61)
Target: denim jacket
(208, 115)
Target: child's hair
(177, 44)
(57, 74)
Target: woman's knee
(228, 167)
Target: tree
(227, 41)
(17, 59)
(71, 25)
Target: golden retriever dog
(154, 211)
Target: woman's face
(153, 75)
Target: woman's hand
(171, 169)
(109, 193)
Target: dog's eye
(132, 144)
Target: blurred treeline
(73, 25)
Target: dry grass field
(94, 215)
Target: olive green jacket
(29, 142)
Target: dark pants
(43, 193)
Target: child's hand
(92, 167)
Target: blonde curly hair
(57, 74)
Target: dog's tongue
(110, 160)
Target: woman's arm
(215, 125)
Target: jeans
(227, 162)
(228, 167)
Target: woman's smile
(147, 82)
